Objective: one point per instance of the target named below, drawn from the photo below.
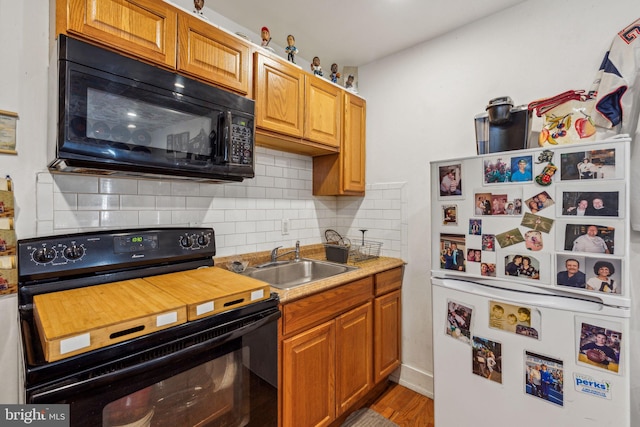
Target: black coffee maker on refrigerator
(502, 127)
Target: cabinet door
(323, 107)
(353, 154)
(354, 343)
(213, 55)
(279, 95)
(344, 173)
(308, 396)
(143, 28)
(387, 335)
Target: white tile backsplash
(64, 201)
(92, 202)
(119, 219)
(153, 187)
(118, 186)
(71, 184)
(246, 216)
(154, 218)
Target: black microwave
(122, 117)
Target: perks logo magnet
(588, 385)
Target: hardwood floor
(404, 407)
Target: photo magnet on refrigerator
(544, 377)
(459, 321)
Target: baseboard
(414, 379)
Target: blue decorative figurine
(291, 49)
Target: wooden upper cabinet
(143, 28)
(323, 107)
(279, 95)
(213, 55)
(344, 173)
(354, 144)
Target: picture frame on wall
(8, 128)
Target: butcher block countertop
(365, 269)
(79, 320)
(208, 291)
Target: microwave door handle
(224, 137)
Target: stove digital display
(135, 243)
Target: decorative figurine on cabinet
(349, 83)
(335, 75)
(266, 37)
(291, 50)
(315, 67)
(198, 5)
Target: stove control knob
(73, 252)
(186, 242)
(203, 240)
(44, 255)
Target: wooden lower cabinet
(309, 377)
(336, 345)
(354, 344)
(387, 333)
(387, 312)
(327, 369)
(326, 360)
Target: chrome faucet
(275, 256)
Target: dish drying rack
(358, 249)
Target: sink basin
(296, 273)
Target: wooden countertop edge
(365, 268)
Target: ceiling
(355, 32)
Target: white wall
(23, 49)
(421, 103)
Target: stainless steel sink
(290, 274)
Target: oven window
(222, 392)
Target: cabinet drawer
(389, 280)
(326, 305)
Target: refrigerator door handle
(527, 298)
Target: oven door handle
(60, 393)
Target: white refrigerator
(531, 287)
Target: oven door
(228, 380)
(120, 115)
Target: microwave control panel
(241, 145)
